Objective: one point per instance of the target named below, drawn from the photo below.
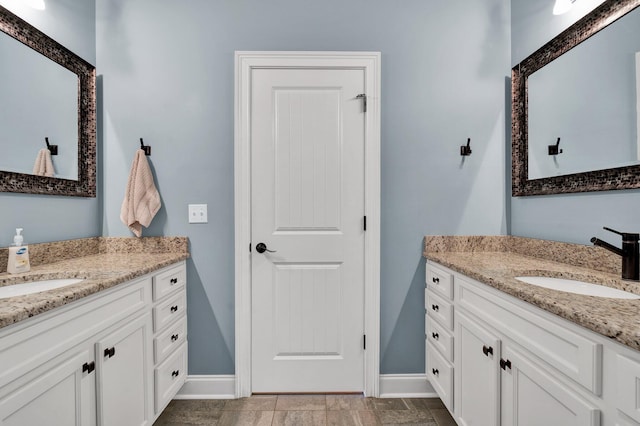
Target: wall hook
(53, 149)
(555, 149)
(466, 150)
(145, 148)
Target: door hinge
(365, 223)
(364, 342)
(364, 101)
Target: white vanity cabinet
(477, 387)
(170, 334)
(516, 364)
(90, 362)
(439, 332)
(122, 374)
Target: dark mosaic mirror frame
(597, 180)
(85, 186)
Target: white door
(307, 205)
(477, 372)
(62, 395)
(532, 396)
(124, 391)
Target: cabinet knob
(174, 337)
(175, 373)
(487, 350)
(435, 371)
(174, 308)
(436, 336)
(88, 367)
(436, 308)
(504, 364)
(174, 280)
(109, 352)
(435, 280)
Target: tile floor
(307, 410)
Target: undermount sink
(23, 289)
(578, 287)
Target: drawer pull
(173, 281)
(88, 367)
(505, 364)
(175, 373)
(435, 371)
(174, 337)
(109, 352)
(487, 350)
(436, 308)
(436, 336)
(174, 308)
(435, 280)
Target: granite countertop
(496, 261)
(106, 266)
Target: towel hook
(554, 149)
(466, 150)
(53, 149)
(145, 148)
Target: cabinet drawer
(170, 339)
(439, 309)
(439, 338)
(169, 281)
(440, 375)
(628, 375)
(169, 377)
(556, 345)
(440, 282)
(169, 311)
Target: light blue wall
(52, 218)
(167, 75)
(571, 218)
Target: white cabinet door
(477, 387)
(59, 393)
(532, 396)
(124, 375)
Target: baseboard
(223, 387)
(406, 386)
(208, 387)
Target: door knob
(262, 247)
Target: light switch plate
(197, 213)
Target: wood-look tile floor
(303, 410)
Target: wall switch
(197, 213)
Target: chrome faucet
(630, 253)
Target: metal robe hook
(466, 150)
(145, 148)
(53, 149)
(555, 149)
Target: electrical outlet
(197, 213)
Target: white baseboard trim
(406, 386)
(208, 387)
(224, 386)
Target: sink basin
(579, 287)
(35, 287)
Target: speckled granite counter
(102, 262)
(496, 261)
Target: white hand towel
(43, 165)
(141, 199)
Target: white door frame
(369, 62)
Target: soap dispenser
(18, 255)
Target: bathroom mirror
(46, 91)
(590, 101)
